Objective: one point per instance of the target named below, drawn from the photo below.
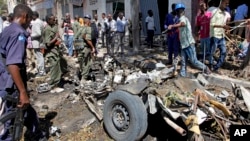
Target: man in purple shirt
(173, 42)
(13, 41)
(241, 14)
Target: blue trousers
(221, 44)
(68, 39)
(173, 46)
(205, 46)
(190, 53)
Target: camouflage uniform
(84, 57)
(57, 63)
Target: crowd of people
(29, 44)
(211, 27)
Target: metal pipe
(176, 127)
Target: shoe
(208, 71)
(218, 72)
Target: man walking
(217, 35)
(187, 42)
(36, 38)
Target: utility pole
(135, 24)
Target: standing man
(111, 34)
(150, 27)
(85, 56)
(104, 25)
(76, 27)
(172, 35)
(8, 21)
(241, 14)
(121, 23)
(36, 38)
(58, 65)
(217, 34)
(202, 29)
(13, 77)
(67, 25)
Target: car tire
(125, 116)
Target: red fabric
(203, 20)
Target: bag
(94, 31)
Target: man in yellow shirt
(217, 34)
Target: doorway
(163, 10)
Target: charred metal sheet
(135, 87)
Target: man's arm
(14, 71)
(180, 24)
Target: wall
(90, 5)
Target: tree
(3, 7)
(135, 24)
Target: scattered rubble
(207, 104)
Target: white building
(92, 7)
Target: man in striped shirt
(67, 25)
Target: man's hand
(93, 51)
(170, 27)
(24, 101)
(226, 27)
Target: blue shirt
(241, 12)
(170, 19)
(13, 41)
(120, 24)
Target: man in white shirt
(104, 29)
(111, 34)
(150, 26)
(36, 38)
(218, 26)
(121, 23)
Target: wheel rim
(120, 117)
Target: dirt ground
(69, 112)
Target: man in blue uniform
(13, 41)
(172, 35)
